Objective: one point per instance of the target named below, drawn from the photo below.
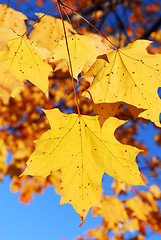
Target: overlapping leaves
(83, 51)
(129, 75)
(82, 147)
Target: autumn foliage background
(127, 212)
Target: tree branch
(155, 26)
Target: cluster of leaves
(111, 78)
(132, 214)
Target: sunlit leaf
(50, 28)
(83, 152)
(10, 18)
(129, 75)
(83, 52)
(25, 59)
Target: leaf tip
(82, 220)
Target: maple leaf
(49, 31)
(25, 59)
(83, 152)
(9, 85)
(10, 18)
(83, 52)
(130, 75)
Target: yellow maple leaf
(25, 59)
(83, 52)
(9, 85)
(10, 18)
(129, 75)
(49, 31)
(83, 152)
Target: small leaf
(112, 211)
(10, 18)
(25, 60)
(83, 52)
(49, 31)
(9, 85)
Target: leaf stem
(89, 24)
(39, 20)
(67, 46)
(68, 19)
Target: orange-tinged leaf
(3, 156)
(10, 18)
(130, 75)
(120, 187)
(83, 52)
(25, 60)
(105, 110)
(112, 212)
(98, 233)
(133, 224)
(148, 198)
(83, 152)
(49, 31)
(155, 191)
(9, 85)
(139, 208)
(3, 43)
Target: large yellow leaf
(83, 52)
(25, 59)
(9, 85)
(10, 18)
(83, 152)
(49, 31)
(130, 75)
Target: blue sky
(43, 218)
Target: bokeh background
(29, 207)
